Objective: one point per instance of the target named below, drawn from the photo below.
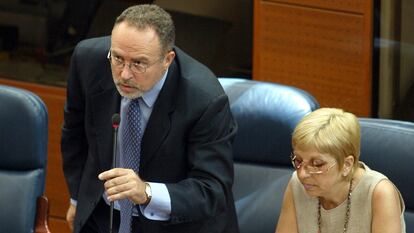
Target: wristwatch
(148, 193)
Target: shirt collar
(150, 97)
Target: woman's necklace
(348, 210)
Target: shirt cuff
(73, 202)
(159, 208)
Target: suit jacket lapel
(158, 126)
(104, 104)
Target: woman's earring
(345, 173)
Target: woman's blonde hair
(332, 131)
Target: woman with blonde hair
(331, 190)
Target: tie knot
(134, 104)
(135, 101)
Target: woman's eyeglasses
(310, 168)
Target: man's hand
(70, 215)
(121, 183)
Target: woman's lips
(308, 186)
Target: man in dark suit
(183, 172)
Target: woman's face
(318, 172)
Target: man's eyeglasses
(136, 67)
(311, 169)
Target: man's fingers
(110, 174)
(70, 215)
(116, 182)
(118, 185)
(121, 183)
(120, 192)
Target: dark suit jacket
(187, 143)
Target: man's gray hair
(151, 16)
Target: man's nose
(126, 72)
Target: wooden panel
(56, 189)
(355, 6)
(327, 53)
(58, 225)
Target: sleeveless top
(333, 220)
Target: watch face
(148, 193)
(148, 190)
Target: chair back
(387, 146)
(23, 156)
(266, 114)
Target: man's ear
(169, 59)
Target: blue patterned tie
(130, 156)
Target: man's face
(136, 60)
